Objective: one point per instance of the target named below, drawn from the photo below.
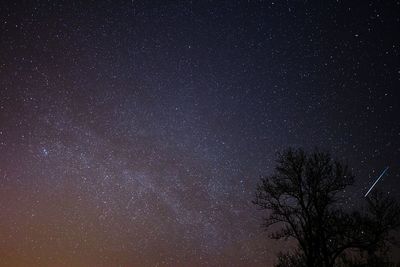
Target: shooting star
(377, 180)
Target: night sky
(133, 133)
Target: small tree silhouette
(381, 217)
(302, 196)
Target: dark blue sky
(134, 133)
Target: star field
(133, 133)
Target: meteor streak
(377, 180)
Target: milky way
(133, 134)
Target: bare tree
(302, 196)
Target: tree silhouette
(303, 198)
(375, 224)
